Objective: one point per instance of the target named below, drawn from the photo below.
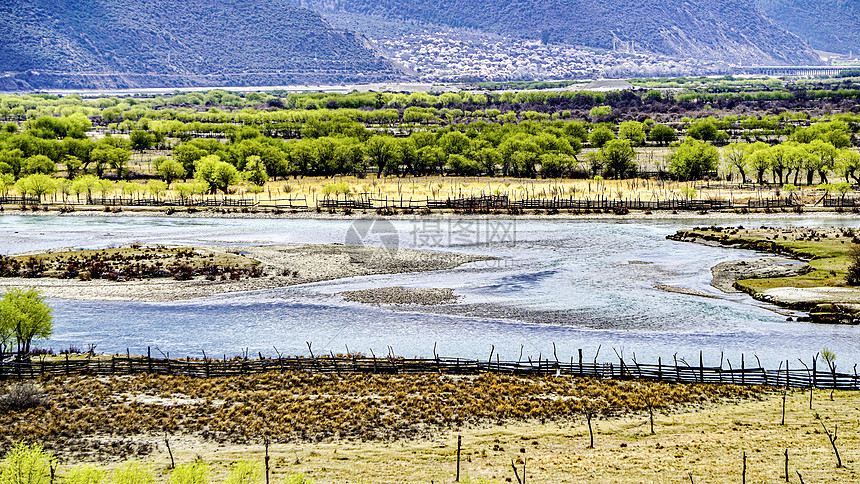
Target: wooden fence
(476, 203)
(842, 202)
(9, 200)
(797, 376)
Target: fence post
(814, 376)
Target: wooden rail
(796, 377)
(490, 202)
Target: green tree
(217, 174)
(255, 171)
(736, 156)
(662, 134)
(703, 130)
(86, 184)
(381, 150)
(7, 181)
(600, 135)
(74, 165)
(188, 154)
(169, 169)
(692, 159)
(12, 161)
(848, 162)
(633, 131)
(760, 161)
(141, 140)
(462, 165)
(599, 112)
(454, 143)
(156, 188)
(26, 316)
(618, 155)
(37, 185)
(822, 161)
(39, 164)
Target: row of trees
(344, 146)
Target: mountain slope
(828, 25)
(729, 30)
(131, 43)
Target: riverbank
(812, 278)
(280, 265)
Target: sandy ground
(727, 273)
(282, 266)
(706, 442)
(401, 295)
(813, 295)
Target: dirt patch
(401, 295)
(726, 274)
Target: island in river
(156, 274)
(808, 274)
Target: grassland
(827, 251)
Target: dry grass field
(393, 429)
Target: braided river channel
(577, 284)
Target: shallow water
(571, 283)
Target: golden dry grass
(305, 407)
(706, 441)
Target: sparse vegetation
(90, 416)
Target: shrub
(22, 396)
(27, 464)
(245, 472)
(133, 472)
(85, 475)
(196, 472)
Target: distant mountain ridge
(137, 43)
(728, 30)
(828, 25)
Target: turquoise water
(565, 282)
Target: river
(577, 284)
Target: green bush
(196, 472)
(85, 475)
(133, 472)
(245, 472)
(27, 464)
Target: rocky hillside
(142, 43)
(828, 25)
(729, 30)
